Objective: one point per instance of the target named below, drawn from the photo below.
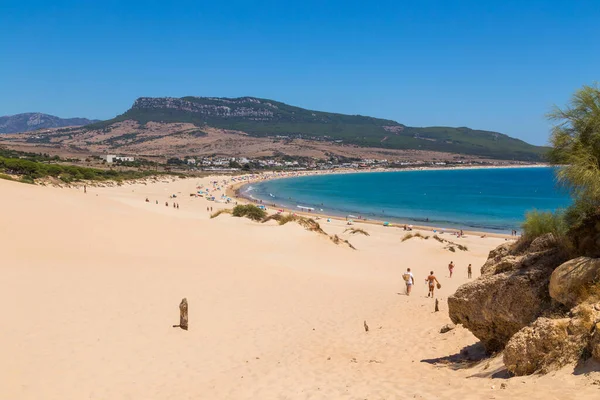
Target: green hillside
(262, 117)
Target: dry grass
(337, 240)
(451, 246)
(417, 235)
(357, 230)
(589, 293)
(219, 212)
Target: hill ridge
(269, 118)
(31, 121)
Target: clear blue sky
(488, 65)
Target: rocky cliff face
(217, 107)
(540, 308)
(33, 121)
(511, 293)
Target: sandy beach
(92, 283)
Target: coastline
(275, 310)
(235, 191)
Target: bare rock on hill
(511, 293)
(549, 344)
(571, 282)
(495, 256)
(542, 243)
(511, 256)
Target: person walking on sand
(409, 279)
(469, 272)
(451, 268)
(432, 281)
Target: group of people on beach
(175, 205)
(451, 270)
(431, 280)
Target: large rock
(510, 256)
(495, 307)
(511, 293)
(572, 281)
(549, 344)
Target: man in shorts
(409, 279)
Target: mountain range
(197, 125)
(33, 121)
(268, 118)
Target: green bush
(249, 211)
(538, 223)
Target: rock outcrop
(549, 344)
(541, 309)
(571, 283)
(511, 293)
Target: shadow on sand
(471, 357)
(467, 358)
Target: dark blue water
(484, 199)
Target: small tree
(575, 150)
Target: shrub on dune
(249, 211)
(538, 223)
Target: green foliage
(29, 171)
(296, 122)
(249, 211)
(576, 143)
(538, 223)
(281, 219)
(576, 150)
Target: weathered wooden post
(183, 315)
(437, 305)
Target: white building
(110, 158)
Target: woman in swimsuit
(432, 280)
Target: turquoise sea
(481, 199)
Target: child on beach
(451, 268)
(431, 280)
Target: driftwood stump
(437, 305)
(183, 315)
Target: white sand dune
(91, 285)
